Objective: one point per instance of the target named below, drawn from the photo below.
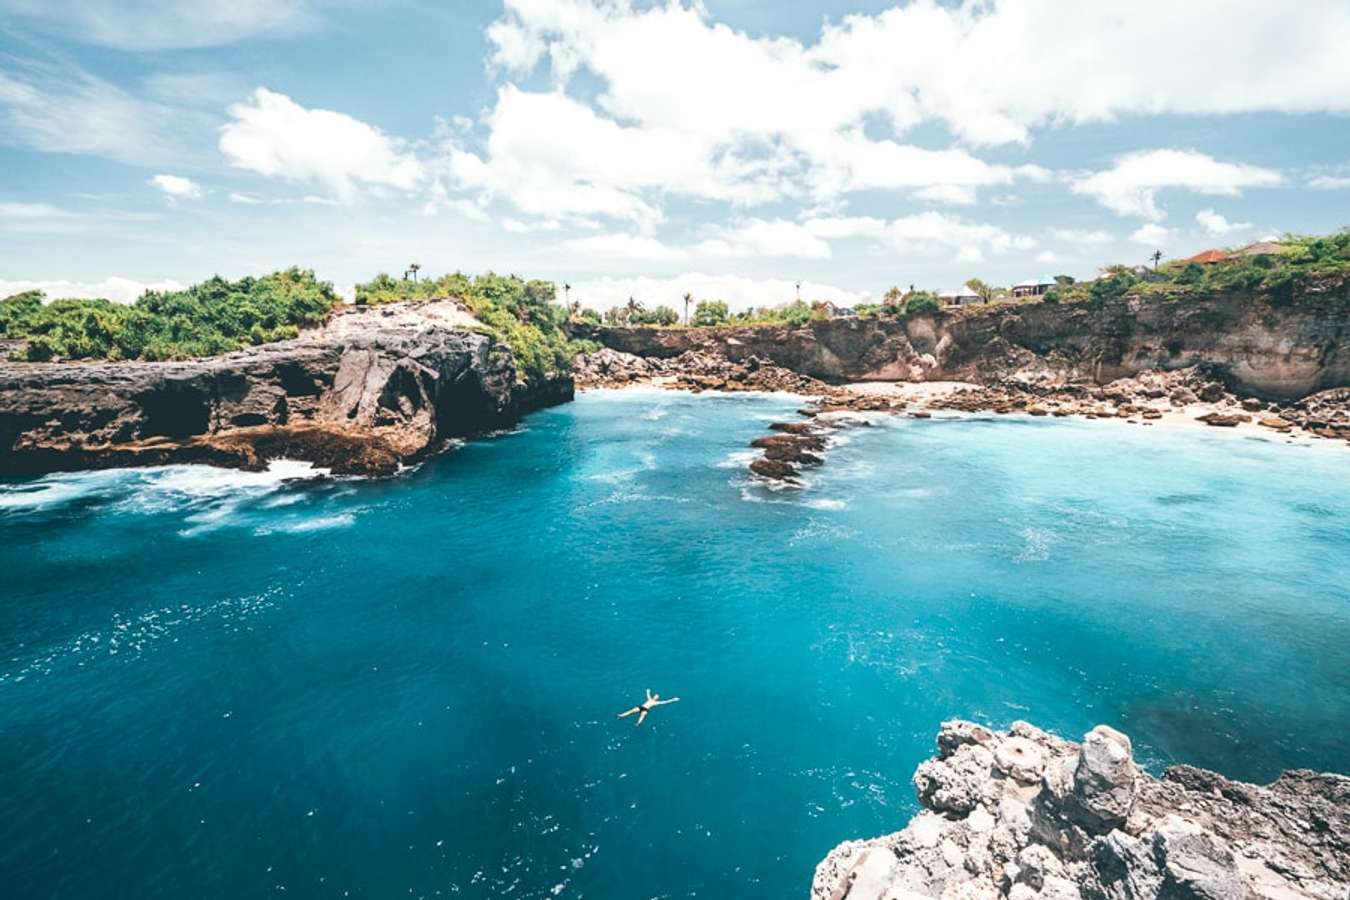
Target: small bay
(222, 684)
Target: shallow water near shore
(219, 684)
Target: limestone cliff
(1025, 815)
(1279, 351)
(370, 390)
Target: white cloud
(29, 212)
(956, 194)
(925, 234)
(1082, 237)
(913, 63)
(738, 292)
(246, 199)
(760, 238)
(756, 120)
(176, 186)
(273, 135)
(1217, 225)
(60, 108)
(623, 247)
(648, 101)
(1130, 187)
(1329, 182)
(137, 25)
(115, 288)
(515, 226)
(1150, 233)
(1046, 256)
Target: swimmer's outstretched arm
(650, 695)
(664, 702)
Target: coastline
(918, 397)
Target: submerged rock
(1024, 815)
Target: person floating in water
(646, 706)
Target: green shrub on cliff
(215, 316)
(1109, 287)
(710, 312)
(922, 302)
(522, 314)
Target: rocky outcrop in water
(1275, 351)
(369, 391)
(1023, 815)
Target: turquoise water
(216, 684)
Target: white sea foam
(56, 490)
(826, 503)
(737, 459)
(816, 530)
(317, 523)
(1036, 545)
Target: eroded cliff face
(1276, 351)
(1025, 815)
(371, 390)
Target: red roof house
(1209, 256)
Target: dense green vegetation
(217, 316)
(1276, 275)
(710, 312)
(522, 314)
(213, 317)
(633, 313)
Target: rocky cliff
(369, 391)
(1278, 351)
(1024, 815)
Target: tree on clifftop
(986, 292)
(710, 312)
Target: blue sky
(728, 148)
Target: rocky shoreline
(1198, 392)
(1275, 350)
(1023, 814)
(367, 393)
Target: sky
(726, 148)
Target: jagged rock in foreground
(1023, 815)
(370, 390)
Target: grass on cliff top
(521, 314)
(215, 316)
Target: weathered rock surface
(694, 370)
(370, 390)
(1272, 351)
(1023, 814)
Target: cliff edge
(1283, 350)
(1023, 814)
(369, 391)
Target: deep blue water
(224, 685)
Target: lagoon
(222, 684)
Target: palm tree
(567, 294)
(1156, 257)
(414, 268)
(799, 292)
(688, 298)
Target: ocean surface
(222, 685)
